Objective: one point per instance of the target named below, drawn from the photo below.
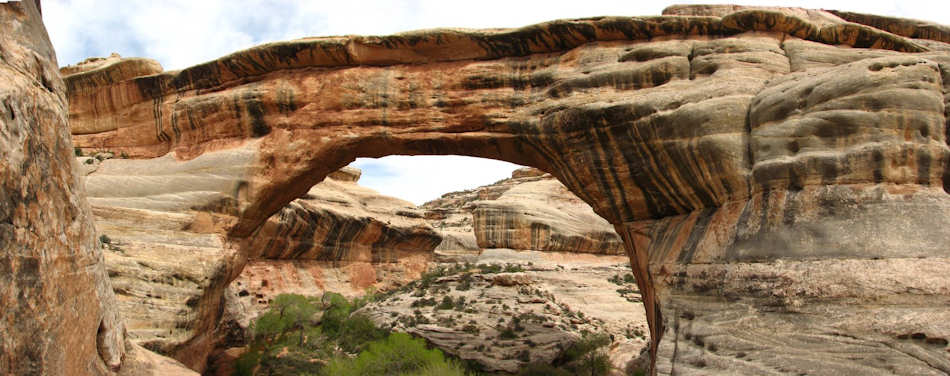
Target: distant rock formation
(529, 211)
(763, 166)
(340, 237)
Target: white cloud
(181, 33)
(425, 177)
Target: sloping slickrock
(710, 137)
(166, 255)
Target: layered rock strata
(164, 222)
(340, 237)
(529, 211)
(713, 138)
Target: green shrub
(513, 268)
(286, 339)
(490, 268)
(424, 302)
(465, 282)
(357, 331)
(398, 354)
(447, 303)
(336, 310)
(245, 365)
(460, 303)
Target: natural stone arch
(705, 138)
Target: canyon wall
(59, 315)
(778, 176)
(53, 287)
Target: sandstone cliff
(723, 143)
(53, 288)
(529, 211)
(59, 313)
(170, 262)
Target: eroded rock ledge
(712, 138)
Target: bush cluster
(301, 335)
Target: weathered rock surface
(59, 315)
(339, 220)
(340, 237)
(167, 255)
(546, 304)
(170, 260)
(451, 214)
(53, 288)
(529, 211)
(712, 138)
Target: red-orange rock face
(54, 293)
(723, 143)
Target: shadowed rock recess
(778, 176)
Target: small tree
(289, 312)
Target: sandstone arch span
(746, 155)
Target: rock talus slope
(723, 143)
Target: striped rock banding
(713, 138)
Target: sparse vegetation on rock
(323, 336)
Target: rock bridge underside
(779, 176)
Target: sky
(182, 33)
